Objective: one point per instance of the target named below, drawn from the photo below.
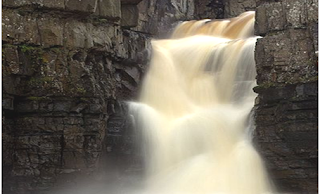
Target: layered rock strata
(68, 68)
(287, 105)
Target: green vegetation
(37, 98)
(103, 20)
(313, 79)
(84, 99)
(35, 81)
(27, 48)
(265, 85)
(42, 59)
(81, 90)
(291, 82)
(99, 21)
(56, 49)
(35, 54)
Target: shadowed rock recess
(68, 67)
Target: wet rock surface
(287, 105)
(68, 69)
(63, 67)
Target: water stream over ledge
(194, 107)
(193, 118)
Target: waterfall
(193, 111)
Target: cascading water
(193, 111)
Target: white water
(194, 109)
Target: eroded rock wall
(287, 105)
(66, 64)
(68, 68)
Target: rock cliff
(69, 66)
(287, 105)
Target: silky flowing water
(194, 111)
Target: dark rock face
(64, 66)
(287, 105)
(233, 8)
(158, 17)
(68, 66)
(206, 9)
